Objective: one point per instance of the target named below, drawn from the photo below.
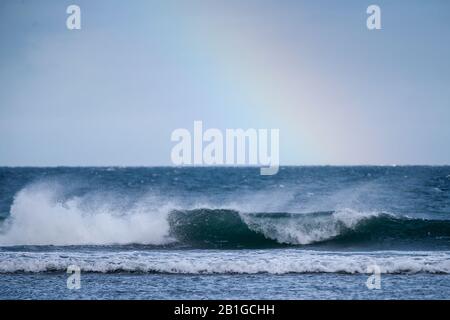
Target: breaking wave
(39, 216)
(279, 261)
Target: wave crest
(39, 217)
(279, 261)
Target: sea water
(225, 233)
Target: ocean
(313, 232)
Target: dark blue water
(259, 286)
(174, 233)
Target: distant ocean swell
(39, 216)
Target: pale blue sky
(111, 93)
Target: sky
(113, 92)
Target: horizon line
(222, 166)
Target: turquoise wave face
(219, 228)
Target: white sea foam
(38, 217)
(227, 262)
(307, 229)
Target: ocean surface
(225, 233)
